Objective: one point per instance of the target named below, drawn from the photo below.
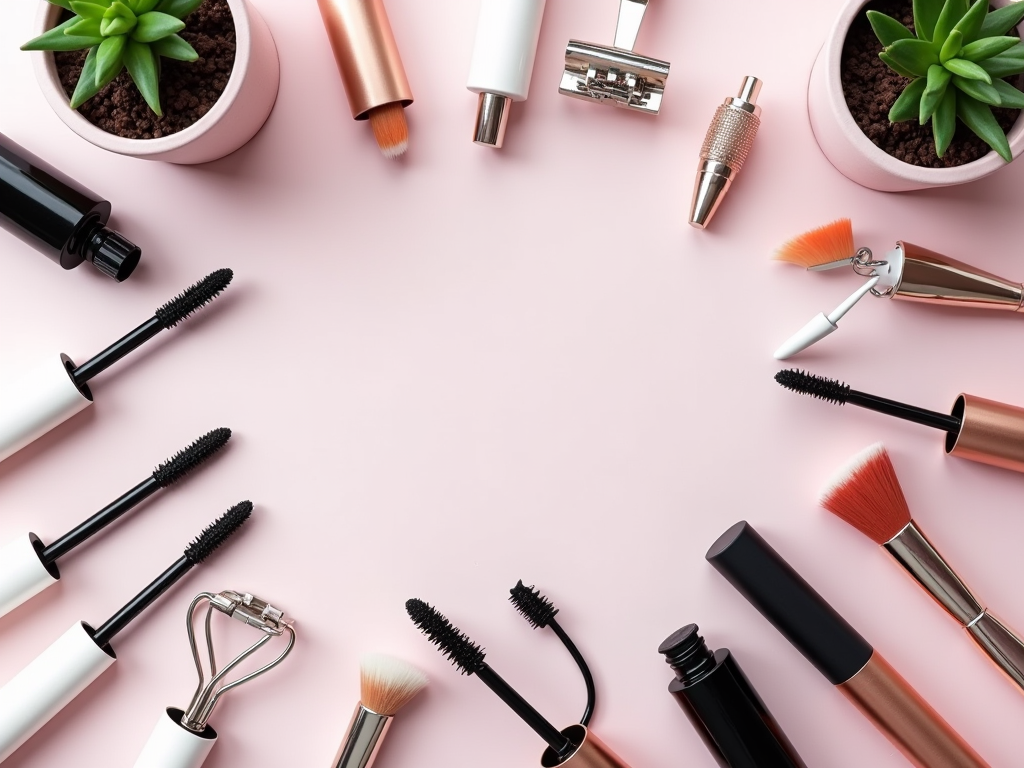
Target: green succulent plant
(120, 34)
(956, 64)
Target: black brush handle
(946, 423)
(588, 678)
(141, 602)
(558, 742)
(115, 509)
(119, 349)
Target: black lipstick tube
(58, 216)
(723, 706)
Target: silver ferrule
(1001, 644)
(914, 552)
(746, 99)
(491, 119)
(363, 739)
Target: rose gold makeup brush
(866, 494)
(386, 685)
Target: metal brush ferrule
(916, 554)
(1001, 644)
(362, 740)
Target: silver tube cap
(491, 119)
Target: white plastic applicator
(51, 393)
(821, 325)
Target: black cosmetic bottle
(58, 216)
(723, 706)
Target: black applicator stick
(469, 658)
(165, 318)
(195, 553)
(540, 612)
(168, 473)
(839, 393)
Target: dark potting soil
(871, 88)
(188, 90)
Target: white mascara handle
(47, 685)
(22, 573)
(821, 325)
(836, 315)
(171, 745)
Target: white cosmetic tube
(22, 573)
(171, 745)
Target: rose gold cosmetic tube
(990, 433)
(367, 54)
(906, 719)
(591, 752)
(936, 279)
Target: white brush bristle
(388, 684)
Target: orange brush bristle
(866, 493)
(832, 242)
(390, 129)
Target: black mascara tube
(723, 706)
(58, 216)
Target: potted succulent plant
(910, 94)
(185, 81)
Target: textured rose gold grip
(730, 137)
(990, 433)
(906, 719)
(367, 54)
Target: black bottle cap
(783, 597)
(114, 255)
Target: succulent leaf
(118, 20)
(970, 25)
(108, 57)
(88, 10)
(1016, 52)
(144, 6)
(87, 86)
(951, 48)
(914, 56)
(1002, 20)
(1002, 66)
(976, 89)
(887, 29)
(979, 118)
(175, 47)
(944, 122)
(141, 64)
(937, 82)
(178, 8)
(62, 3)
(968, 70)
(952, 12)
(84, 27)
(908, 105)
(988, 47)
(1011, 97)
(56, 39)
(155, 25)
(926, 13)
(895, 67)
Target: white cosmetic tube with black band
(48, 684)
(42, 398)
(22, 572)
(172, 745)
(502, 66)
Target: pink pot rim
(976, 169)
(46, 74)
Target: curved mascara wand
(540, 612)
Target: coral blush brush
(53, 392)
(866, 493)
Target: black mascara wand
(839, 393)
(540, 612)
(168, 473)
(165, 318)
(195, 553)
(469, 658)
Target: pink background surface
(469, 367)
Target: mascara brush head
(866, 493)
(387, 684)
(829, 390)
(453, 643)
(390, 129)
(191, 457)
(193, 298)
(217, 532)
(824, 245)
(534, 606)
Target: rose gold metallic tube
(367, 54)
(990, 433)
(907, 720)
(936, 279)
(591, 752)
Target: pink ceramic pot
(236, 117)
(850, 151)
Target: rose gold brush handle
(936, 279)
(911, 549)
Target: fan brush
(27, 566)
(540, 612)
(56, 390)
(82, 654)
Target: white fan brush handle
(47, 685)
(22, 573)
(821, 325)
(171, 745)
(32, 405)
